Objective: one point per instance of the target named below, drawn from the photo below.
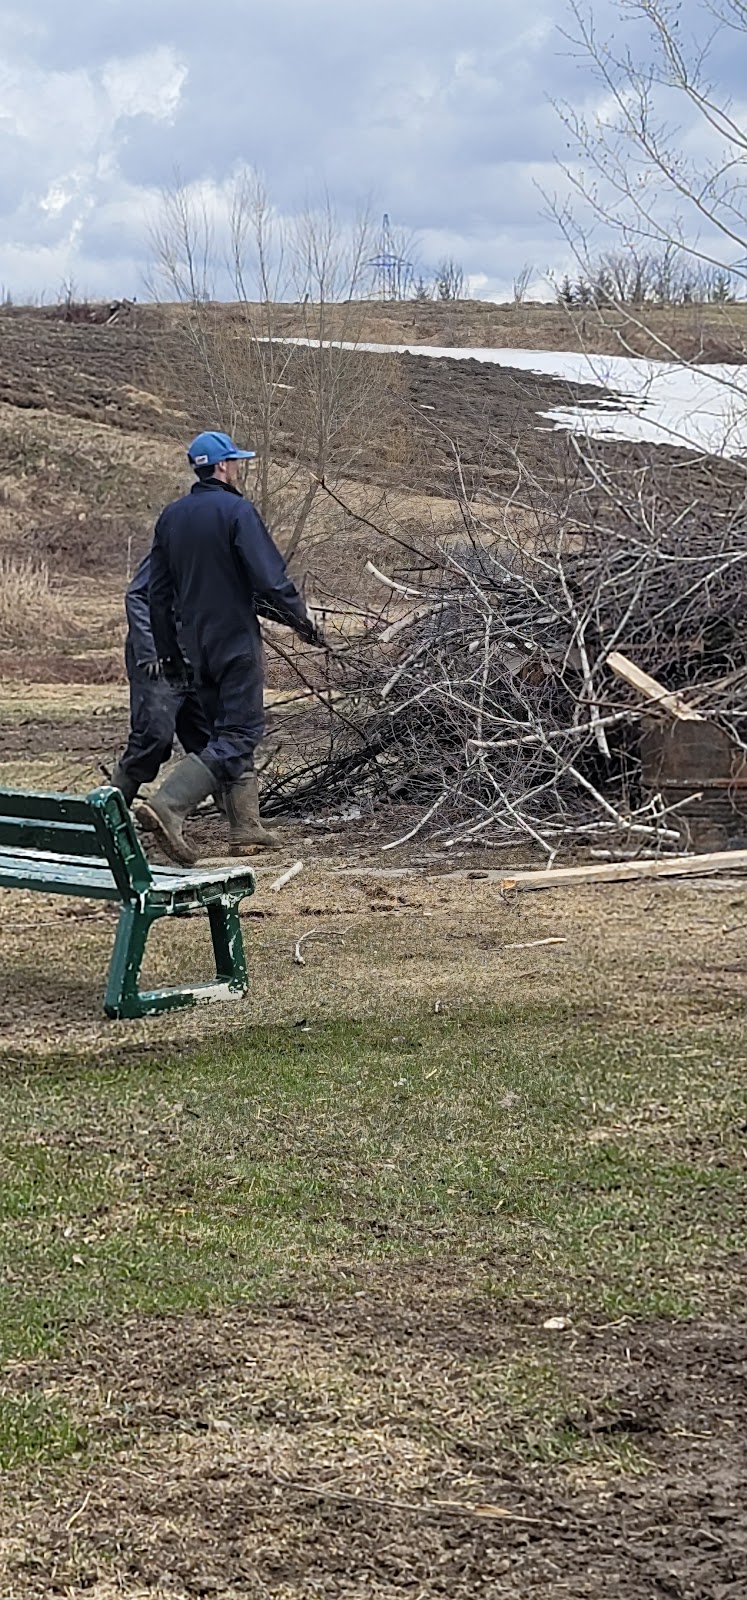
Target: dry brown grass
(31, 608)
(706, 332)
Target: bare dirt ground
(255, 1472)
(130, 378)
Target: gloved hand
(316, 638)
(152, 669)
(174, 669)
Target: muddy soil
(140, 379)
(242, 1468)
(87, 736)
(483, 414)
(100, 374)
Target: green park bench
(87, 846)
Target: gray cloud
(438, 112)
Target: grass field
(393, 1287)
(576, 1170)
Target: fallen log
(622, 871)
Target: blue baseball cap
(210, 448)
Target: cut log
(667, 700)
(621, 871)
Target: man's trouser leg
(153, 714)
(236, 699)
(233, 701)
(193, 729)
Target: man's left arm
(137, 607)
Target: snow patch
(700, 408)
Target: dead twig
(286, 877)
(313, 933)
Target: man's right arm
(275, 594)
(162, 598)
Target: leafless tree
(649, 184)
(449, 281)
(281, 361)
(522, 281)
(674, 203)
(629, 278)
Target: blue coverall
(214, 563)
(157, 709)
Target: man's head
(214, 455)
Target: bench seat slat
(92, 879)
(199, 889)
(58, 877)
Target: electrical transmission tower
(394, 273)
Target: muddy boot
(180, 793)
(242, 809)
(125, 785)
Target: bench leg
(228, 946)
(124, 997)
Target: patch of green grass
(531, 1405)
(35, 1431)
(586, 1172)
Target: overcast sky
(437, 111)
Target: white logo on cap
(201, 461)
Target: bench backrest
(95, 826)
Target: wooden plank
(169, 881)
(622, 871)
(45, 807)
(665, 699)
(20, 834)
(232, 878)
(51, 858)
(57, 877)
(180, 899)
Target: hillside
(94, 418)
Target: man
(158, 710)
(214, 563)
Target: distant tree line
(446, 282)
(666, 279)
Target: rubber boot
(242, 809)
(125, 785)
(181, 792)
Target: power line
(394, 273)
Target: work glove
(316, 638)
(152, 669)
(174, 669)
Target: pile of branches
(480, 694)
